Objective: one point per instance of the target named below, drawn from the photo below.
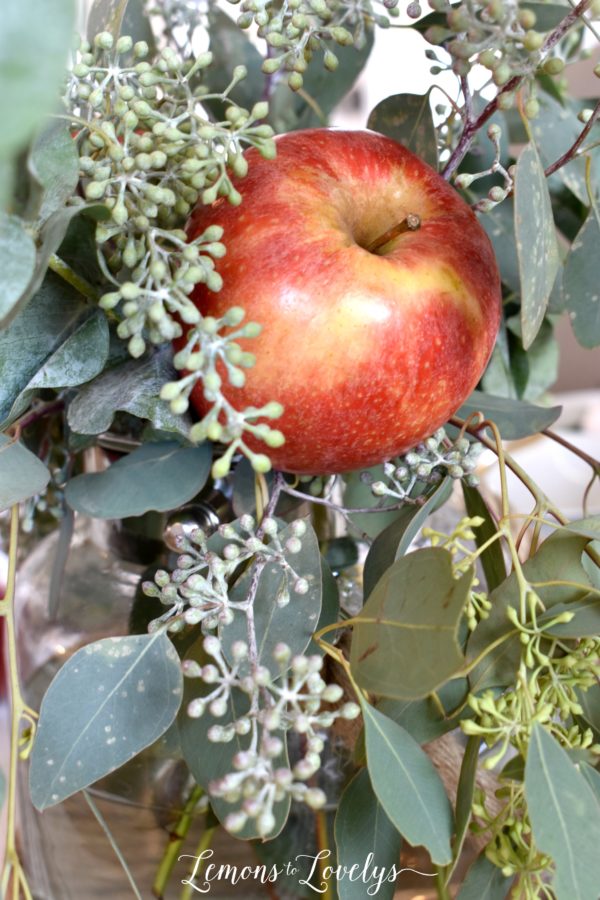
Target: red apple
(368, 351)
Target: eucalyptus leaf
(590, 703)
(17, 263)
(557, 559)
(393, 542)
(537, 247)
(423, 719)
(358, 495)
(361, 824)
(555, 129)
(159, 476)
(35, 38)
(585, 622)
(499, 224)
(54, 162)
(484, 881)
(405, 639)
(565, 817)
(547, 15)
(293, 623)
(407, 118)
(22, 474)
(592, 776)
(407, 785)
(108, 702)
(41, 329)
(120, 17)
(208, 761)
(465, 792)
(515, 418)
(79, 359)
(132, 387)
(492, 559)
(581, 282)
(310, 107)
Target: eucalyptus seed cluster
(427, 464)
(256, 706)
(551, 674)
(478, 604)
(292, 701)
(197, 591)
(511, 846)
(499, 36)
(205, 346)
(148, 153)
(497, 193)
(297, 29)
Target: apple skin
(368, 353)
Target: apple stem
(411, 223)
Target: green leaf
(581, 282)
(499, 225)
(79, 359)
(17, 263)
(361, 825)
(159, 476)
(423, 719)
(484, 881)
(407, 785)
(330, 606)
(586, 621)
(131, 387)
(565, 817)
(111, 699)
(35, 37)
(120, 17)
(592, 776)
(407, 118)
(54, 163)
(589, 527)
(547, 15)
(358, 495)
(42, 331)
(514, 418)
(208, 761)
(537, 247)
(294, 623)
(558, 558)
(230, 47)
(393, 542)
(492, 559)
(322, 90)
(555, 129)
(590, 702)
(22, 474)
(465, 792)
(415, 608)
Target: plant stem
(176, 839)
(103, 825)
(440, 881)
(322, 837)
(204, 843)
(60, 267)
(411, 222)
(18, 710)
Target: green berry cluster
(296, 29)
(206, 345)
(499, 36)
(552, 672)
(427, 464)
(497, 193)
(149, 153)
(274, 703)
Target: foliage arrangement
(264, 646)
